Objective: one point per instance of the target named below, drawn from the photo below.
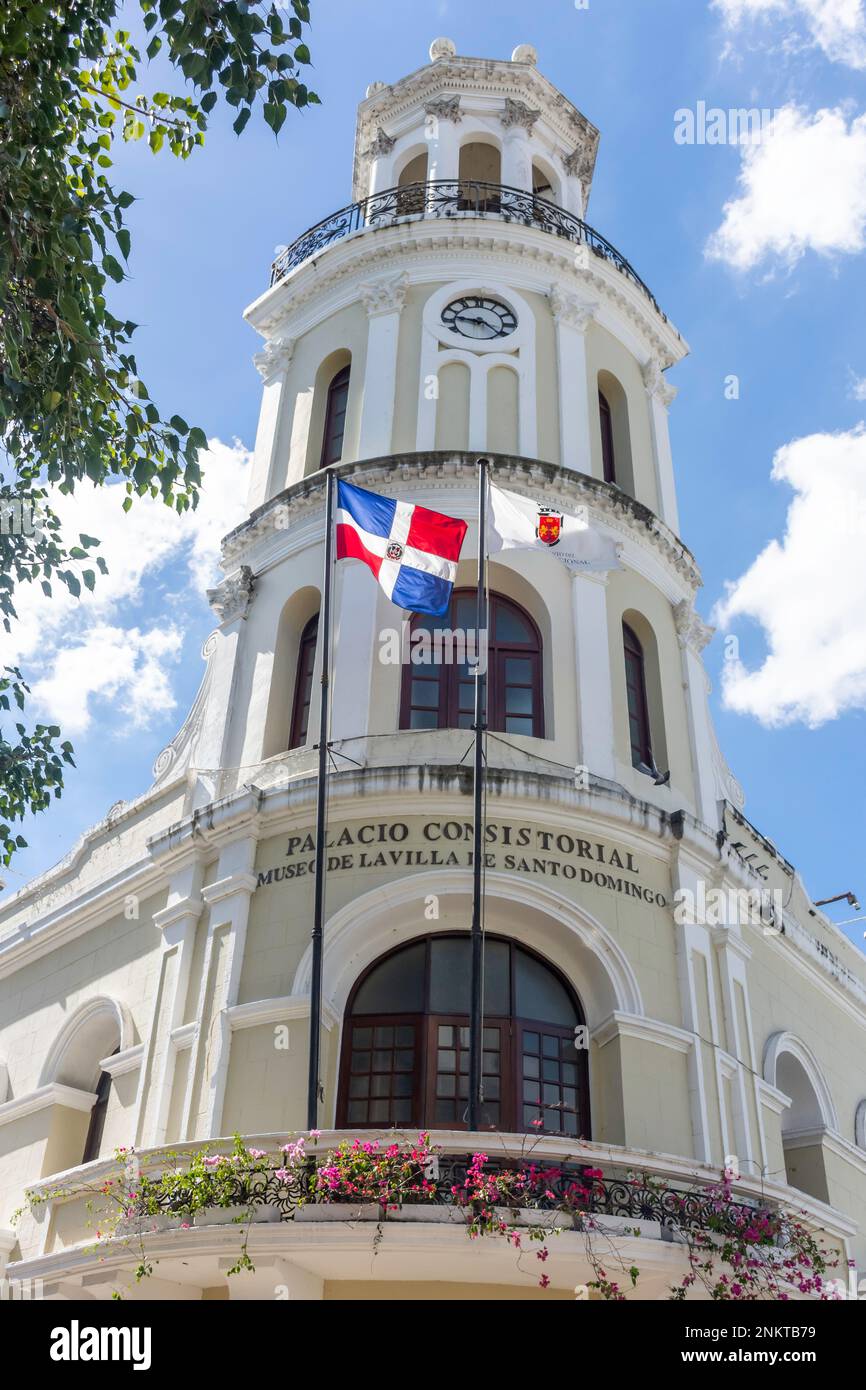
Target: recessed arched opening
(293, 699)
(545, 183)
(95, 1032)
(614, 433)
(791, 1068)
(405, 1053)
(480, 175)
(329, 414)
(647, 742)
(412, 180)
(438, 687)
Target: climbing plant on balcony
(735, 1250)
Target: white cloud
(837, 27)
(807, 591)
(857, 387)
(114, 643)
(803, 187)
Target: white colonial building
(155, 985)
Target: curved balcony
(440, 198)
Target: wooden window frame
(426, 1023)
(447, 678)
(303, 696)
(636, 701)
(96, 1127)
(338, 394)
(608, 452)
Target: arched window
(439, 688)
(96, 1128)
(607, 451)
(638, 706)
(405, 1057)
(335, 418)
(412, 179)
(304, 684)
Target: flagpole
(479, 725)
(313, 1086)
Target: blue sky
(779, 305)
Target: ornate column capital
(383, 144)
(568, 308)
(579, 164)
(655, 383)
(518, 114)
(274, 358)
(445, 109)
(692, 631)
(231, 599)
(385, 296)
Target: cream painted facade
(173, 941)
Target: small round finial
(525, 53)
(373, 88)
(442, 48)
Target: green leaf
(123, 241)
(302, 54)
(112, 267)
(241, 120)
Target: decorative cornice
(45, 1096)
(274, 357)
(692, 631)
(386, 296)
(227, 887)
(232, 598)
(122, 1062)
(652, 1030)
(517, 113)
(280, 309)
(445, 109)
(569, 308)
(655, 383)
(260, 1012)
(176, 912)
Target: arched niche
(545, 181)
(480, 164)
(329, 369)
(296, 614)
(792, 1068)
(503, 409)
(93, 1032)
(612, 394)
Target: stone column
(177, 922)
(693, 635)
(355, 652)
(231, 602)
(596, 749)
(518, 121)
(273, 364)
(660, 395)
(228, 901)
(383, 300)
(442, 118)
(573, 317)
(381, 163)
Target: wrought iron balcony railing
(624, 1195)
(454, 198)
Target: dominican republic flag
(412, 551)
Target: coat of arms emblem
(548, 528)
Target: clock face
(474, 316)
